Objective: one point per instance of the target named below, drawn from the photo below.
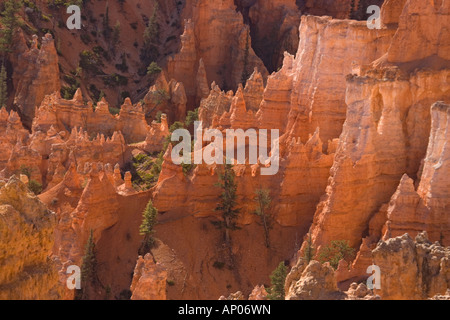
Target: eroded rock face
(284, 104)
(36, 75)
(166, 97)
(258, 293)
(216, 34)
(351, 101)
(149, 280)
(412, 269)
(317, 282)
(318, 79)
(233, 296)
(267, 16)
(66, 115)
(385, 135)
(428, 26)
(425, 209)
(26, 229)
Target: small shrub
(192, 116)
(218, 265)
(153, 69)
(171, 283)
(91, 62)
(114, 111)
(115, 80)
(35, 187)
(335, 252)
(26, 170)
(122, 66)
(160, 96)
(85, 38)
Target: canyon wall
(216, 34)
(385, 135)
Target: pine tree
(3, 87)
(106, 27)
(88, 267)
(309, 249)
(149, 220)
(151, 37)
(10, 21)
(227, 204)
(115, 36)
(277, 280)
(152, 31)
(263, 200)
(245, 72)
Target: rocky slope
(409, 270)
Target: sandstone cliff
(384, 136)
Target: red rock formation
(167, 97)
(149, 280)
(214, 105)
(258, 293)
(411, 211)
(411, 269)
(11, 131)
(65, 115)
(317, 282)
(80, 149)
(216, 34)
(352, 101)
(318, 81)
(267, 16)
(384, 136)
(156, 137)
(428, 27)
(36, 75)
